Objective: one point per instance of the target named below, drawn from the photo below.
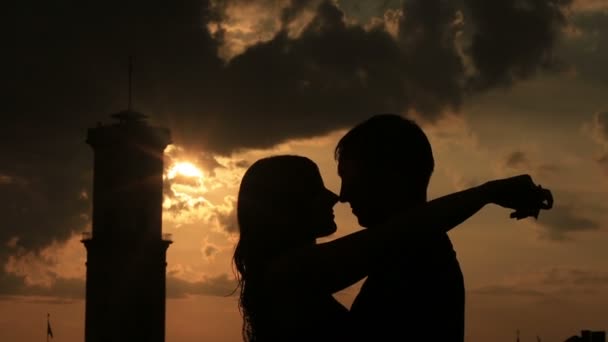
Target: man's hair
(389, 140)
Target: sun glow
(186, 188)
(200, 190)
(185, 169)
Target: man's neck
(409, 202)
(403, 205)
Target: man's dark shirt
(414, 294)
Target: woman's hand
(521, 194)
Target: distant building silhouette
(589, 336)
(126, 250)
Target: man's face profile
(361, 189)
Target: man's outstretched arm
(335, 265)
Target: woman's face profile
(288, 192)
(318, 209)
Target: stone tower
(126, 250)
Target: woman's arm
(335, 265)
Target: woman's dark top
(295, 317)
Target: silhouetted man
(385, 164)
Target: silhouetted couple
(414, 289)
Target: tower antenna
(130, 81)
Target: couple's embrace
(414, 289)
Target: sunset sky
(501, 87)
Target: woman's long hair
(269, 193)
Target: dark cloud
(564, 219)
(227, 220)
(572, 213)
(221, 285)
(521, 161)
(209, 163)
(210, 250)
(64, 68)
(190, 181)
(291, 12)
(603, 161)
(514, 39)
(502, 290)
(363, 9)
(66, 288)
(548, 168)
(575, 212)
(243, 164)
(599, 132)
(517, 160)
(601, 124)
(332, 76)
(40, 300)
(180, 205)
(587, 47)
(337, 74)
(567, 215)
(560, 281)
(42, 207)
(575, 277)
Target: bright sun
(187, 183)
(184, 169)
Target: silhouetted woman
(287, 280)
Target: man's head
(385, 164)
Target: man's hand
(521, 194)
